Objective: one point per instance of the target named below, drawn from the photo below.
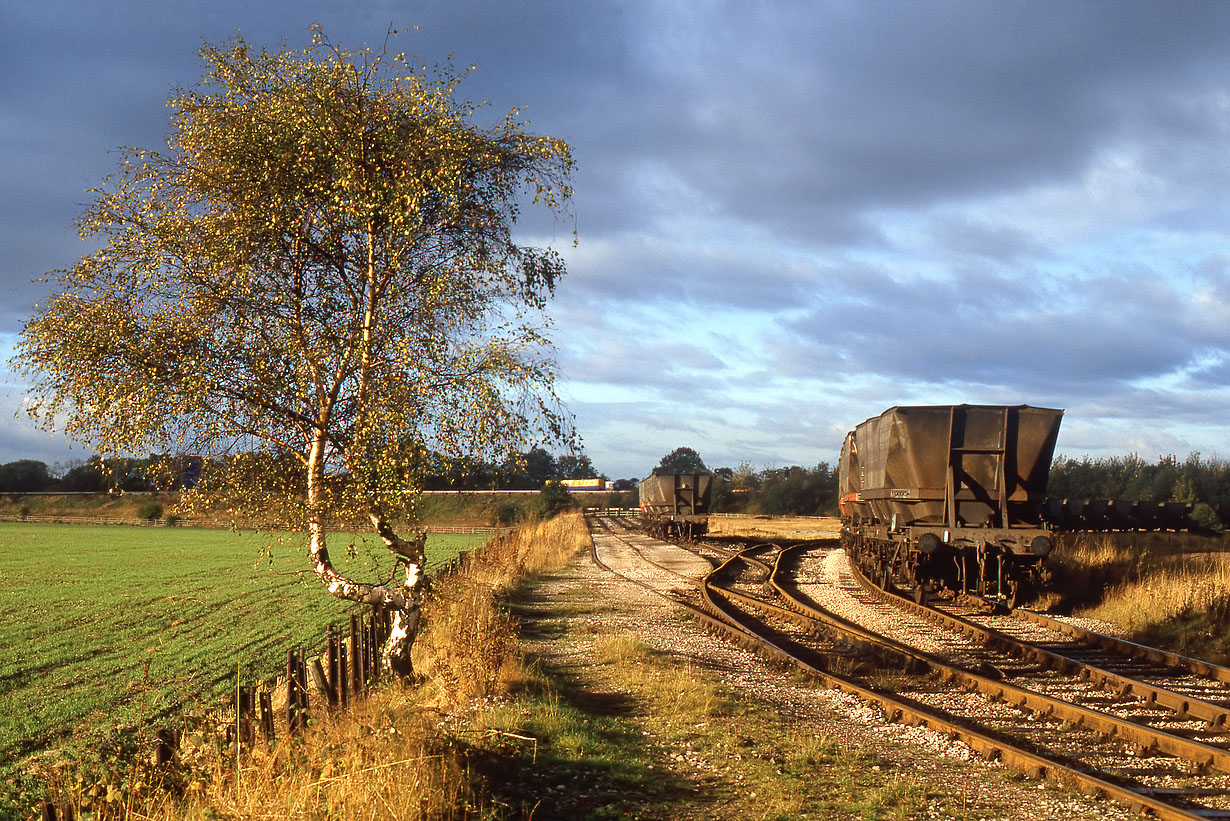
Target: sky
(791, 215)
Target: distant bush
(24, 476)
(624, 499)
(554, 499)
(150, 511)
(507, 513)
(1205, 517)
(784, 491)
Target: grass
(121, 626)
(603, 727)
(406, 752)
(639, 733)
(643, 735)
(469, 508)
(1167, 590)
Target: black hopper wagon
(949, 498)
(676, 505)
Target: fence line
(339, 674)
(268, 710)
(135, 521)
(210, 523)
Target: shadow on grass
(590, 754)
(589, 757)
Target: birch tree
(312, 285)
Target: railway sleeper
(1034, 771)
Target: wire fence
(135, 521)
(334, 674)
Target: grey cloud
(940, 331)
(966, 237)
(638, 360)
(642, 269)
(851, 111)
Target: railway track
(1135, 725)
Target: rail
(991, 744)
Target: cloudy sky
(792, 216)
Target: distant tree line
(1198, 481)
(786, 491)
(1130, 477)
(93, 475)
(525, 471)
(792, 490)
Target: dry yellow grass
(1157, 586)
(1168, 589)
(1165, 595)
(775, 527)
(467, 649)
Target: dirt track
(981, 790)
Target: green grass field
(114, 626)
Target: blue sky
(791, 215)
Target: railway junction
(960, 691)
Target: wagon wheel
(1016, 592)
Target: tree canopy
(681, 460)
(314, 284)
(24, 476)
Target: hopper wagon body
(676, 504)
(949, 497)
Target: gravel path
(984, 790)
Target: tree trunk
(412, 555)
(402, 599)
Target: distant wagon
(676, 504)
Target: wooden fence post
(356, 653)
(244, 709)
(266, 701)
(331, 675)
(53, 813)
(296, 691)
(303, 688)
(373, 644)
(291, 696)
(166, 745)
(343, 674)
